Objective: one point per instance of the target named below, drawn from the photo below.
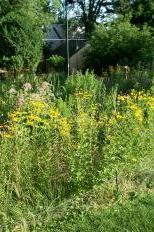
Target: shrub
(57, 62)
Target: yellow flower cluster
(137, 111)
(141, 96)
(7, 136)
(134, 96)
(64, 128)
(15, 116)
(39, 114)
(122, 98)
(87, 118)
(54, 113)
(7, 132)
(137, 102)
(32, 119)
(116, 117)
(83, 95)
(119, 117)
(37, 106)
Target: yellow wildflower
(15, 116)
(7, 136)
(122, 98)
(54, 113)
(137, 112)
(33, 118)
(134, 94)
(138, 115)
(38, 106)
(119, 116)
(64, 128)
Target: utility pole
(67, 39)
(67, 2)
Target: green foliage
(128, 216)
(80, 82)
(57, 62)
(120, 43)
(141, 11)
(21, 34)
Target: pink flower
(21, 100)
(35, 96)
(45, 85)
(27, 87)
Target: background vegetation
(120, 43)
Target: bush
(86, 137)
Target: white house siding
(77, 60)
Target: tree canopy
(89, 11)
(141, 11)
(120, 43)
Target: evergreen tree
(21, 32)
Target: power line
(74, 39)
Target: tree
(21, 32)
(142, 11)
(119, 43)
(89, 10)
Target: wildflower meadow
(76, 116)
(68, 148)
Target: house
(55, 44)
